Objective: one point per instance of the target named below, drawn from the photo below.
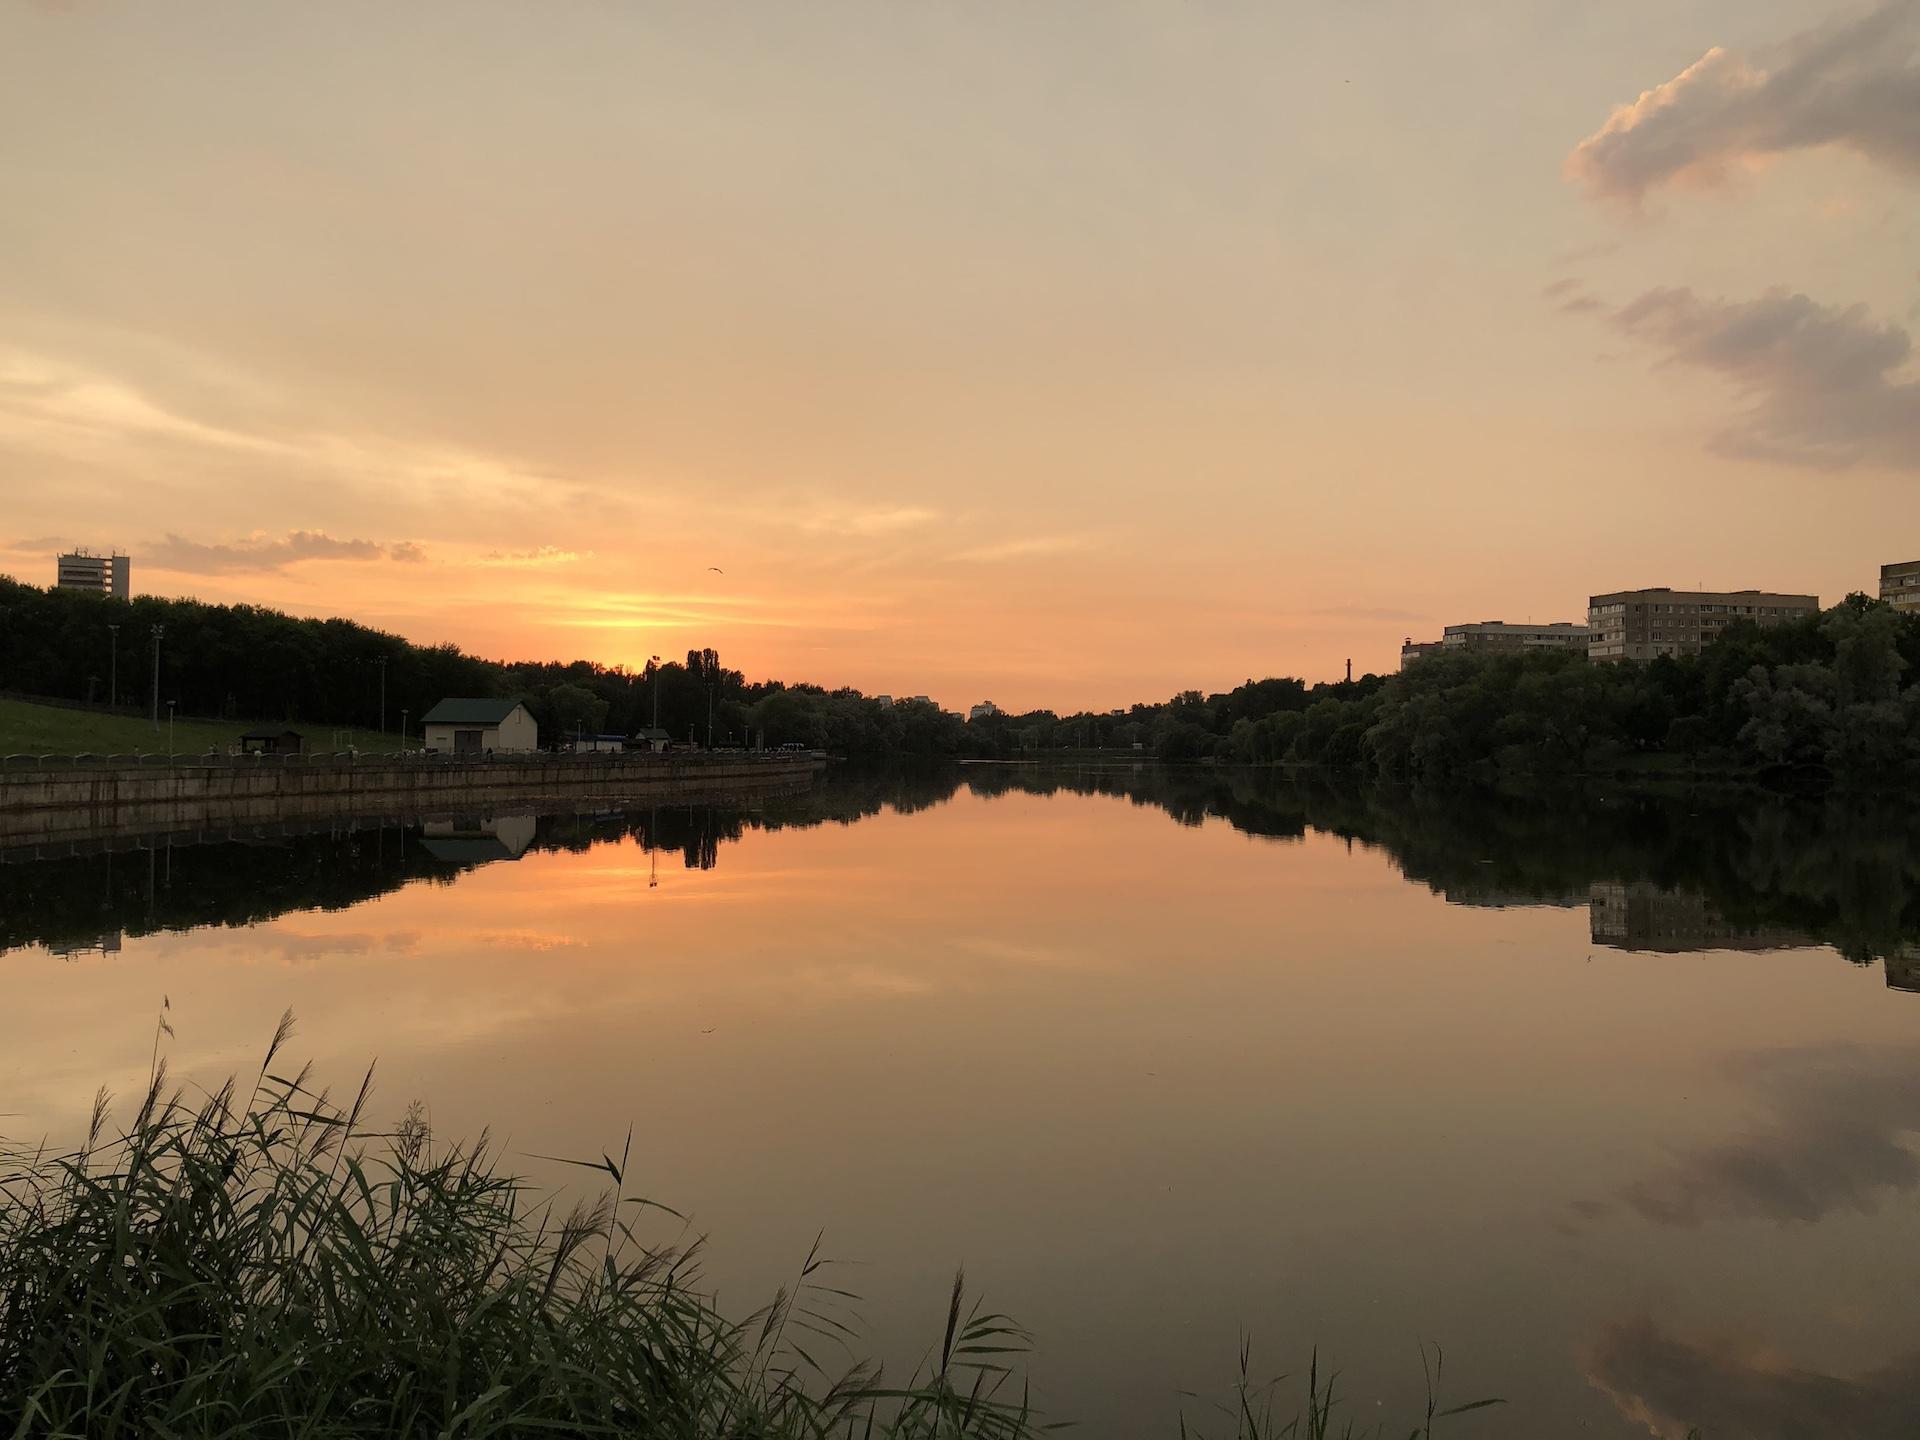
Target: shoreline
(64, 801)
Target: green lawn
(27, 729)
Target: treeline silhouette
(251, 663)
(1837, 869)
(1820, 699)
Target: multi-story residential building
(1640, 624)
(1412, 650)
(1497, 635)
(1506, 635)
(1900, 584)
(107, 574)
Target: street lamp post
(382, 663)
(403, 729)
(113, 668)
(158, 631)
(170, 705)
(653, 667)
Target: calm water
(1615, 1099)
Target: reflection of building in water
(1638, 915)
(471, 840)
(1903, 968)
(1494, 899)
(107, 944)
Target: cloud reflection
(1840, 1118)
(1672, 1385)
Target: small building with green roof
(480, 727)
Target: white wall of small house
(440, 737)
(518, 731)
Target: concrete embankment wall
(49, 798)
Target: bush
(261, 1267)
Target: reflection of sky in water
(1151, 1083)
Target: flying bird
(716, 569)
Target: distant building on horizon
(1508, 635)
(1643, 624)
(1412, 650)
(1900, 584)
(985, 710)
(1480, 635)
(102, 574)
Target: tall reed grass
(263, 1265)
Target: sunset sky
(1062, 354)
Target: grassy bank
(29, 729)
(259, 1264)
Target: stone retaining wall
(62, 798)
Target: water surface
(1615, 1098)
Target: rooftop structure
(1643, 624)
(103, 574)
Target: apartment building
(1505, 635)
(1412, 650)
(104, 574)
(1497, 635)
(1640, 624)
(1900, 584)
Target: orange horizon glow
(1067, 358)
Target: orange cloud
(1850, 83)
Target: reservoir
(1614, 1098)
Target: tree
(575, 710)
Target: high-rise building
(106, 574)
(1900, 584)
(1640, 624)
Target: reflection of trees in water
(1777, 869)
(75, 902)
(1834, 871)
